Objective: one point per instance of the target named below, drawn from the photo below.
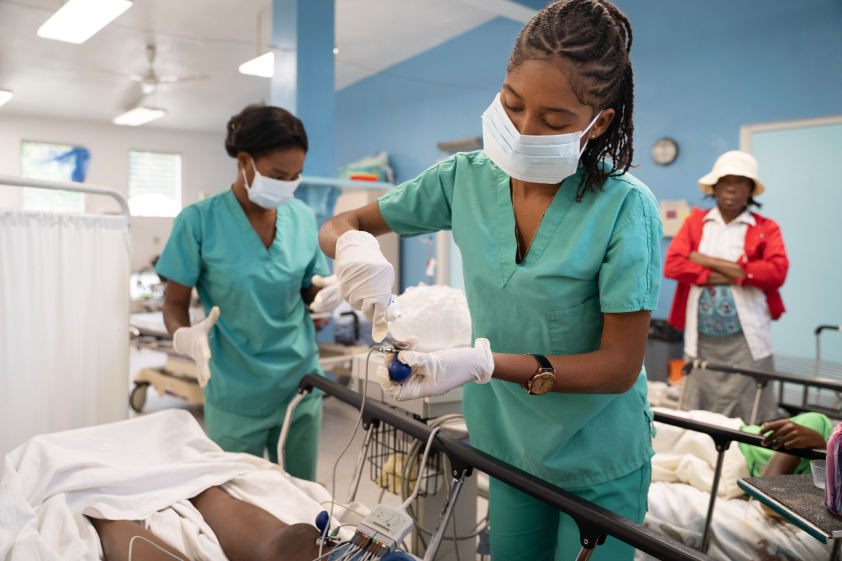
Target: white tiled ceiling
(205, 37)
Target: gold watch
(542, 381)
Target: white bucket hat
(734, 162)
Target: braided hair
(595, 38)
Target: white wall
(206, 168)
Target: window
(54, 162)
(154, 183)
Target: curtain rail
(69, 186)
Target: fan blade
(112, 73)
(173, 79)
(135, 77)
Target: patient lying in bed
(245, 532)
(82, 495)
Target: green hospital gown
(757, 457)
(600, 255)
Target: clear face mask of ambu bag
(267, 192)
(534, 159)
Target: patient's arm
(116, 535)
(781, 464)
(248, 533)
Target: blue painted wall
(406, 110)
(702, 69)
(805, 202)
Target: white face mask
(534, 159)
(267, 192)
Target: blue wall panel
(702, 70)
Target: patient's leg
(116, 535)
(248, 533)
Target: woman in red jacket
(729, 264)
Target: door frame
(747, 130)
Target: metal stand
(835, 552)
(358, 469)
(282, 440)
(446, 511)
(756, 406)
(721, 447)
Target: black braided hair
(594, 37)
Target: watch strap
(543, 363)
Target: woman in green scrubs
(561, 260)
(252, 254)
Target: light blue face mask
(267, 192)
(534, 159)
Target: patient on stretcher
(245, 531)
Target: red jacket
(764, 262)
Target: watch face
(543, 384)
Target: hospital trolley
(594, 522)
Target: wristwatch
(543, 380)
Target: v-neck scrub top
(264, 341)
(600, 255)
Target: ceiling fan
(149, 82)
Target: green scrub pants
(523, 528)
(242, 433)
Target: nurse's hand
(366, 279)
(439, 372)
(329, 297)
(193, 342)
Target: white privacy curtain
(64, 316)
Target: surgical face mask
(534, 159)
(267, 192)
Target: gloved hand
(439, 372)
(193, 342)
(366, 279)
(329, 297)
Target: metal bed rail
(13, 181)
(722, 438)
(594, 522)
(761, 379)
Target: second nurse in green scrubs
(561, 260)
(252, 254)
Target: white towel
(689, 457)
(143, 469)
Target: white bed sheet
(142, 469)
(741, 530)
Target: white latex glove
(193, 342)
(329, 297)
(439, 372)
(366, 279)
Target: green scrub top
(264, 341)
(600, 255)
(757, 457)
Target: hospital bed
(177, 377)
(676, 508)
(762, 378)
(595, 523)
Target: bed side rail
(763, 376)
(722, 438)
(594, 522)
(732, 435)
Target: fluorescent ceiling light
(5, 96)
(138, 116)
(78, 20)
(263, 66)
